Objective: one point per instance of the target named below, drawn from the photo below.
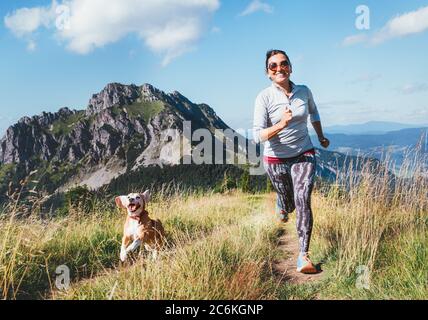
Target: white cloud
(366, 77)
(31, 46)
(413, 88)
(25, 21)
(255, 6)
(354, 39)
(169, 27)
(400, 26)
(403, 25)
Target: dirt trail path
(285, 267)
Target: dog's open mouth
(133, 207)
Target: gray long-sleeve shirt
(270, 106)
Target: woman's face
(279, 69)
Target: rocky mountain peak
(46, 118)
(151, 93)
(178, 97)
(113, 94)
(117, 94)
(64, 111)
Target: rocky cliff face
(29, 137)
(116, 94)
(122, 124)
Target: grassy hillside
(370, 236)
(212, 239)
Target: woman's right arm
(269, 133)
(261, 132)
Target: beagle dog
(139, 229)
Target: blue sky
(212, 51)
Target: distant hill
(396, 143)
(371, 127)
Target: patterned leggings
(293, 180)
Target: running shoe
(283, 216)
(305, 265)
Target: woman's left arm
(316, 121)
(318, 129)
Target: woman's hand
(324, 142)
(288, 115)
(271, 132)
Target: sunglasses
(283, 64)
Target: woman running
(280, 122)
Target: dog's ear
(121, 202)
(146, 196)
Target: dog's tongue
(132, 207)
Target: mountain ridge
(370, 127)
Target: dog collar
(138, 218)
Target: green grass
(144, 109)
(89, 244)
(64, 126)
(6, 170)
(401, 272)
(6, 176)
(32, 250)
(227, 264)
(57, 174)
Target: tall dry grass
(202, 231)
(222, 246)
(377, 220)
(230, 263)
